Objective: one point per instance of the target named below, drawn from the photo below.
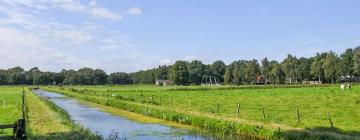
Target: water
(108, 125)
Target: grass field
(11, 111)
(44, 120)
(278, 105)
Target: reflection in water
(108, 125)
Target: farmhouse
(163, 82)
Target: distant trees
(330, 66)
(356, 59)
(326, 67)
(317, 66)
(265, 69)
(180, 73)
(120, 78)
(289, 66)
(196, 71)
(251, 71)
(218, 70)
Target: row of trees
(84, 76)
(325, 67)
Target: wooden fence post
(218, 108)
(189, 104)
(263, 111)
(298, 116)
(238, 109)
(331, 123)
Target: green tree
(120, 78)
(251, 71)
(276, 73)
(317, 66)
(304, 68)
(218, 70)
(99, 77)
(180, 73)
(356, 59)
(289, 67)
(329, 65)
(347, 60)
(265, 69)
(228, 76)
(3, 79)
(196, 71)
(238, 72)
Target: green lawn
(11, 112)
(279, 104)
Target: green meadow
(10, 107)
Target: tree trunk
(290, 80)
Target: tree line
(326, 67)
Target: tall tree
(347, 60)
(196, 71)
(228, 75)
(100, 77)
(356, 59)
(277, 74)
(317, 66)
(289, 67)
(218, 70)
(329, 65)
(304, 68)
(251, 71)
(180, 74)
(265, 69)
(238, 72)
(3, 79)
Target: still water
(109, 126)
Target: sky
(133, 35)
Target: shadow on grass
(319, 133)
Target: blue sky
(130, 35)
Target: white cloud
(135, 11)
(30, 36)
(116, 42)
(92, 3)
(68, 5)
(27, 50)
(104, 13)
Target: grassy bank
(48, 122)
(225, 120)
